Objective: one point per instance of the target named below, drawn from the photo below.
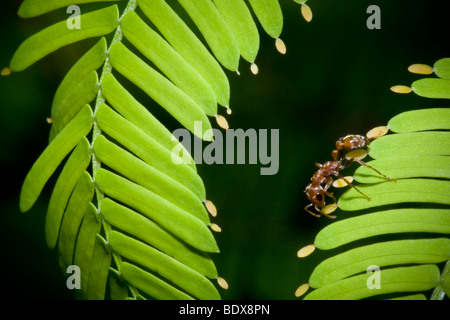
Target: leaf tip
(377, 132)
(306, 250)
(281, 47)
(254, 68)
(222, 122)
(419, 68)
(215, 227)
(401, 89)
(341, 183)
(222, 283)
(329, 209)
(357, 154)
(306, 12)
(6, 71)
(301, 290)
(211, 208)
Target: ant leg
(370, 167)
(326, 214)
(353, 186)
(310, 212)
(329, 182)
(331, 196)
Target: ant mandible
(322, 178)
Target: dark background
(334, 80)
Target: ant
(323, 177)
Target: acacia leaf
(39, 45)
(182, 39)
(169, 62)
(185, 278)
(411, 143)
(70, 174)
(175, 220)
(33, 8)
(382, 254)
(145, 175)
(146, 230)
(401, 191)
(159, 88)
(383, 222)
(52, 156)
(401, 279)
(420, 120)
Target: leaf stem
(96, 163)
(439, 292)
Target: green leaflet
(445, 277)
(148, 149)
(432, 88)
(145, 175)
(83, 93)
(148, 231)
(164, 92)
(411, 297)
(85, 66)
(85, 243)
(442, 68)
(73, 216)
(408, 190)
(420, 120)
(33, 8)
(175, 220)
(98, 272)
(90, 61)
(402, 279)
(192, 282)
(215, 31)
(383, 222)
(97, 23)
(74, 167)
(269, 15)
(180, 72)
(240, 20)
(413, 143)
(170, 216)
(150, 284)
(118, 289)
(405, 167)
(182, 39)
(382, 254)
(52, 156)
(124, 103)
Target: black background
(333, 80)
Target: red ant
(322, 179)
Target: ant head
(315, 194)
